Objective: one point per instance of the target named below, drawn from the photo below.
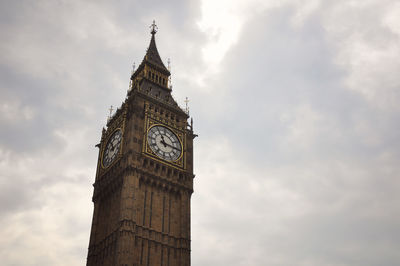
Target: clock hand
(173, 147)
(112, 149)
(163, 141)
(112, 145)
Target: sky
(296, 104)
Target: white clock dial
(112, 148)
(164, 143)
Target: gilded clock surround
(116, 122)
(105, 146)
(172, 147)
(180, 162)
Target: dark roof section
(153, 57)
(160, 94)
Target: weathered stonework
(142, 202)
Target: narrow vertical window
(144, 207)
(141, 253)
(162, 255)
(151, 207)
(168, 256)
(169, 215)
(163, 212)
(148, 253)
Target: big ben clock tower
(144, 177)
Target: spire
(152, 56)
(154, 28)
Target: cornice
(113, 178)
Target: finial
(130, 81)
(111, 109)
(187, 106)
(154, 28)
(169, 78)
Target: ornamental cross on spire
(153, 27)
(111, 109)
(187, 105)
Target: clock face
(112, 148)
(164, 143)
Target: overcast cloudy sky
(296, 103)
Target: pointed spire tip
(154, 28)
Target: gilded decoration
(116, 122)
(150, 122)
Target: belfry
(144, 177)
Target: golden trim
(180, 163)
(106, 143)
(177, 136)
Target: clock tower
(144, 177)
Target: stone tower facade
(144, 177)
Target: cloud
(307, 175)
(366, 40)
(295, 105)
